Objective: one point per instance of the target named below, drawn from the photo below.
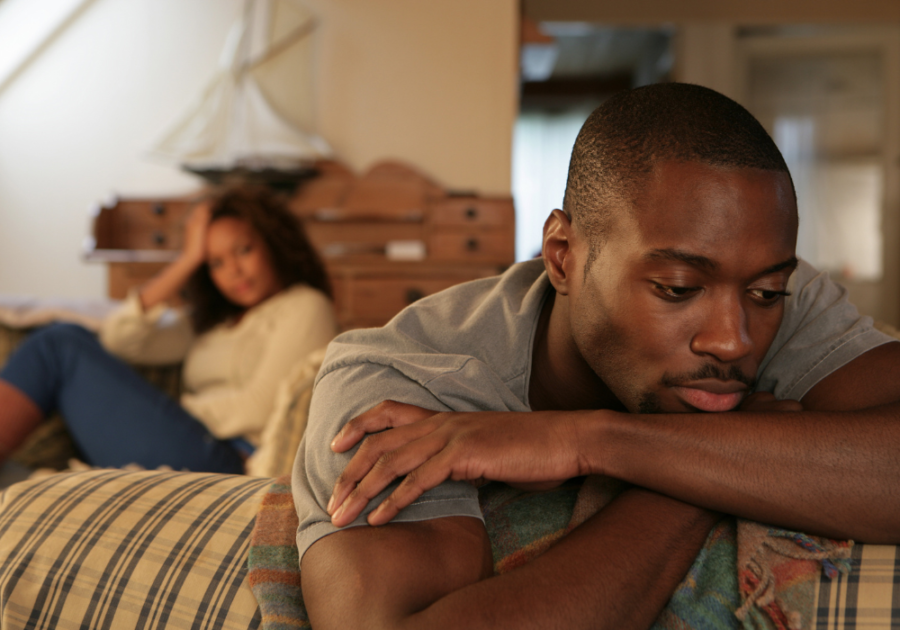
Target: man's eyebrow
(709, 264)
(791, 263)
(677, 255)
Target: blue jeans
(115, 417)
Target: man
(661, 340)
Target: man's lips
(711, 394)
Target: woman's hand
(164, 287)
(540, 449)
(193, 248)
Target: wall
(432, 83)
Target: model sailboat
(233, 126)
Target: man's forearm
(830, 473)
(617, 570)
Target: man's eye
(768, 297)
(675, 293)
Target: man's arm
(617, 570)
(832, 469)
(629, 558)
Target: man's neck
(560, 378)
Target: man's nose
(724, 333)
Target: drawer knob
(159, 209)
(159, 238)
(472, 213)
(413, 295)
(472, 245)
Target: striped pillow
(114, 549)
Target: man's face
(687, 292)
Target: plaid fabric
(113, 549)
(868, 598)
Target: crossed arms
(831, 469)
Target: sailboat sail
(232, 123)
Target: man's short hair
(624, 138)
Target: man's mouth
(711, 394)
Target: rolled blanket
(746, 573)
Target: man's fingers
(368, 475)
(386, 415)
(427, 476)
(367, 457)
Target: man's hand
(537, 449)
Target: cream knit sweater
(231, 373)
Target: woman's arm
(172, 279)
(142, 330)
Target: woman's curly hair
(293, 257)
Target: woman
(259, 303)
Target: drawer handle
(413, 295)
(472, 213)
(159, 238)
(159, 209)
(472, 245)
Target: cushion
(121, 550)
(287, 422)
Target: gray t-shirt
(469, 349)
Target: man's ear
(557, 250)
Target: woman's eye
(214, 264)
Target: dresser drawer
(345, 240)
(482, 246)
(372, 299)
(385, 297)
(463, 211)
(143, 225)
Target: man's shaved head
(623, 139)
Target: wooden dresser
(388, 237)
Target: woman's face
(240, 263)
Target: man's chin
(650, 403)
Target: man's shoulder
(821, 331)
(488, 320)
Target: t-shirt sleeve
(820, 333)
(339, 396)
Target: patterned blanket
(746, 574)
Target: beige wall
(433, 83)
